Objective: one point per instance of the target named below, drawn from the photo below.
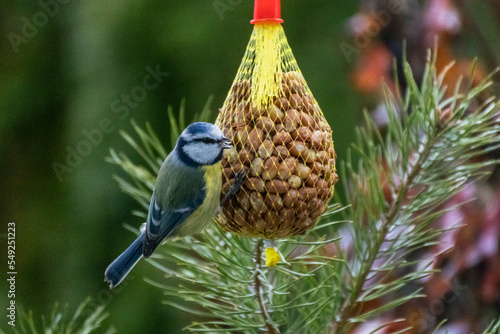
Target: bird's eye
(207, 141)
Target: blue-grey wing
(163, 219)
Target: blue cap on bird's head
(202, 144)
(201, 128)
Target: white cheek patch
(204, 154)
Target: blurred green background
(70, 71)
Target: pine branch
(388, 220)
(258, 289)
(351, 305)
(84, 320)
(427, 157)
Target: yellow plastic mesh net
(281, 140)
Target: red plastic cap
(267, 11)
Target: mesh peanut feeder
(281, 139)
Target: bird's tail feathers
(121, 266)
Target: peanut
(231, 155)
(307, 193)
(287, 91)
(324, 126)
(317, 139)
(257, 166)
(271, 218)
(286, 214)
(314, 204)
(300, 208)
(302, 134)
(312, 180)
(265, 123)
(266, 149)
(277, 186)
(225, 187)
(228, 210)
(227, 173)
(251, 111)
(241, 135)
(260, 225)
(322, 183)
(308, 104)
(281, 152)
(254, 216)
(281, 103)
(294, 181)
(316, 167)
(238, 167)
(291, 164)
(243, 199)
(273, 201)
(239, 217)
(279, 127)
(306, 223)
(274, 112)
(292, 120)
(239, 116)
(322, 156)
(282, 138)
(303, 171)
(255, 138)
(323, 193)
(307, 120)
(257, 202)
(290, 198)
(311, 157)
(295, 101)
(270, 170)
(284, 172)
(293, 75)
(254, 183)
(246, 156)
(298, 149)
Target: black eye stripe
(207, 140)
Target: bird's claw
(239, 178)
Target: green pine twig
(84, 320)
(427, 157)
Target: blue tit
(185, 198)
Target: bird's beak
(225, 143)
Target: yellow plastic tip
(272, 257)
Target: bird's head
(201, 144)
